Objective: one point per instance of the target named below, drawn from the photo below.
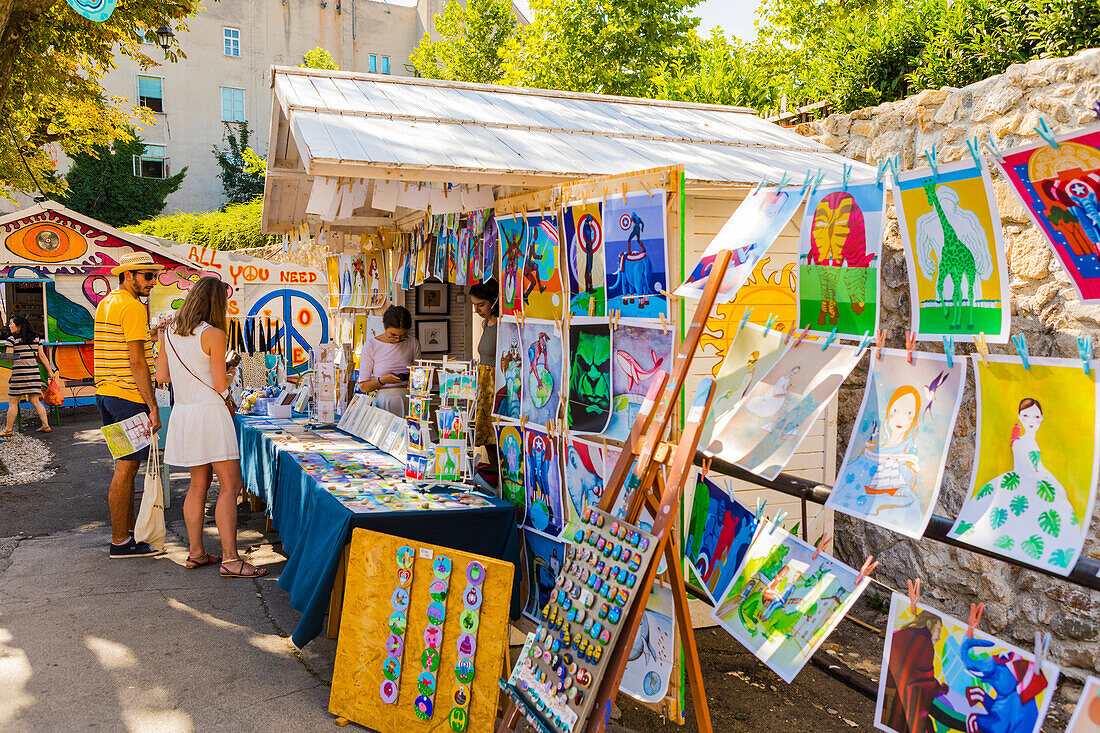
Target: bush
(237, 227)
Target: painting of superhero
(584, 479)
(510, 453)
(635, 255)
(839, 254)
(543, 291)
(512, 243)
(542, 478)
(508, 368)
(582, 226)
(1060, 188)
(541, 367)
(589, 403)
(938, 677)
(785, 600)
(717, 533)
(640, 354)
(543, 560)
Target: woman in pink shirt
(385, 360)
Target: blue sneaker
(132, 549)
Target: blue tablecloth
(314, 527)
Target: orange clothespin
(704, 469)
(802, 336)
(824, 540)
(975, 619)
(624, 193)
(910, 340)
(914, 594)
(869, 566)
(790, 332)
(664, 323)
(880, 341)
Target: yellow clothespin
(624, 193)
(981, 346)
(592, 308)
(664, 323)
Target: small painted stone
(429, 659)
(464, 671)
(388, 691)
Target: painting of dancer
(582, 227)
(542, 370)
(635, 254)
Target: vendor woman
(386, 359)
(483, 297)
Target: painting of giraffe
(951, 235)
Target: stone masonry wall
(1045, 307)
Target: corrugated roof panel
(541, 151)
(354, 94)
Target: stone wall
(1045, 307)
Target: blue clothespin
(817, 180)
(882, 166)
(844, 180)
(768, 326)
(780, 516)
(867, 340)
(991, 144)
(810, 177)
(895, 163)
(783, 182)
(975, 150)
(1043, 130)
(763, 182)
(829, 339)
(949, 350)
(1020, 342)
(744, 319)
(760, 507)
(933, 161)
(1084, 350)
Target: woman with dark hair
(26, 381)
(485, 299)
(385, 360)
(201, 435)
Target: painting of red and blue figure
(508, 371)
(719, 530)
(635, 255)
(585, 470)
(541, 351)
(542, 478)
(640, 354)
(512, 245)
(543, 560)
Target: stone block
(1009, 204)
(1028, 256)
(950, 107)
(1052, 107)
(1006, 124)
(953, 133)
(931, 97)
(999, 100)
(862, 128)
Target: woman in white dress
(201, 436)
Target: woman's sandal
(254, 572)
(199, 561)
(6, 434)
(44, 429)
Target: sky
(734, 16)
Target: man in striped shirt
(124, 385)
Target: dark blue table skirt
(314, 527)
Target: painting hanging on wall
(542, 369)
(640, 353)
(1086, 716)
(347, 280)
(584, 479)
(747, 234)
(542, 477)
(1060, 188)
(582, 225)
(543, 557)
(951, 235)
(649, 662)
(892, 468)
(377, 279)
(543, 291)
(718, 531)
(764, 432)
(839, 256)
(937, 677)
(1035, 463)
(512, 243)
(589, 404)
(509, 371)
(784, 601)
(635, 255)
(510, 453)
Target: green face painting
(590, 374)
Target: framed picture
(434, 336)
(432, 300)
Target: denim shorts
(114, 409)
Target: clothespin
(869, 566)
(763, 182)
(949, 350)
(975, 619)
(801, 336)
(933, 162)
(768, 326)
(810, 178)
(624, 193)
(782, 182)
(1043, 130)
(980, 345)
(664, 323)
(1084, 350)
(760, 506)
(882, 166)
(867, 340)
(522, 423)
(914, 595)
(880, 341)
(745, 316)
(1042, 646)
(1020, 342)
(780, 516)
(705, 468)
(829, 339)
(991, 145)
(790, 332)
(975, 150)
(821, 542)
(910, 340)
(817, 180)
(591, 308)
(844, 179)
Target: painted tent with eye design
(590, 390)
(582, 227)
(542, 370)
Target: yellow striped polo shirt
(119, 317)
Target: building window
(232, 41)
(153, 163)
(150, 93)
(373, 64)
(385, 64)
(232, 105)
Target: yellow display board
(372, 578)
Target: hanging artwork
(347, 279)
(747, 234)
(839, 257)
(718, 531)
(509, 372)
(512, 245)
(489, 245)
(1086, 717)
(333, 269)
(766, 428)
(542, 369)
(358, 282)
(1035, 464)
(891, 472)
(1060, 188)
(377, 279)
(582, 224)
(589, 404)
(951, 234)
(649, 662)
(584, 479)
(510, 455)
(935, 677)
(449, 457)
(543, 292)
(544, 556)
(784, 601)
(635, 255)
(751, 355)
(640, 354)
(542, 477)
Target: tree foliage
(102, 184)
(471, 42)
(319, 58)
(52, 62)
(236, 227)
(241, 182)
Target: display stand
(648, 487)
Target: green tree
(236, 227)
(719, 70)
(52, 62)
(471, 40)
(241, 182)
(102, 184)
(319, 58)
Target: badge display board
(561, 667)
(371, 598)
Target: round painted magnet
(405, 557)
(442, 567)
(436, 613)
(457, 720)
(472, 599)
(467, 645)
(433, 637)
(394, 645)
(426, 683)
(468, 621)
(388, 691)
(404, 577)
(398, 623)
(391, 668)
(438, 590)
(464, 670)
(430, 659)
(400, 600)
(461, 695)
(475, 573)
(423, 706)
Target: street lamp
(164, 37)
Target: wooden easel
(649, 487)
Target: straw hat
(136, 261)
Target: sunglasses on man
(147, 276)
